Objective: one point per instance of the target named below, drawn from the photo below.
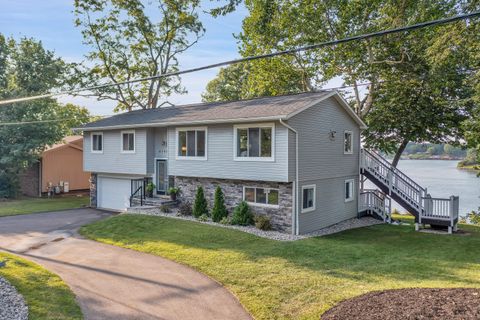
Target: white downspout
(295, 187)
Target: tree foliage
(137, 39)
(471, 40)
(26, 68)
(418, 83)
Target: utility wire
(344, 87)
(40, 121)
(252, 58)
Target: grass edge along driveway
(45, 294)
(37, 205)
(302, 279)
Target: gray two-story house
(294, 158)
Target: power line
(40, 121)
(252, 58)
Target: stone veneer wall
(93, 190)
(281, 217)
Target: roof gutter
(295, 187)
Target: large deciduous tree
(412, 89)
(136, 39)
(26, 68)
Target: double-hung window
(128, 141)
(349, 190)
(254, 142)
(261, 196)
(96, 141)
(348, 142)
(308, 198)
(192, 143)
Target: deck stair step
(396, 185)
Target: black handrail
(141, 196)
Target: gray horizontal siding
(319, 156)
(220, 161)
(112, 160)
(322, 162)
(331, 207)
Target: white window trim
(91, 142)
(352, 181)
(351, 143)
(177, 130)
(270, 125)
(265, 205)
(134, 141)
(314, 187)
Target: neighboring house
(295, 158)
(59, 162)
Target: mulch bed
(418, 304)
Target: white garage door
(113, 193)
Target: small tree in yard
(219, 210)
(242, 215)
(200, 204)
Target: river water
(443, 179)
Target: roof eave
(182, 123)
(340, 100)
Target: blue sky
(51, 21)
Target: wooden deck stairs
(396, 185)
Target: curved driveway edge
(112, 282)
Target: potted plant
(173, 192)
(149, 189)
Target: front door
(162, 177)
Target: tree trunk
(399, 152)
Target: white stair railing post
(451, 209)
(389, 178)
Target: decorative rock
(274, 235)
(12, 305)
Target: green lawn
(35, 205)
(302, 279)
(46, 295)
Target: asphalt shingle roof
(217, 112)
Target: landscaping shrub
(242, 215)
(472, 218)
(263, 222)
(203, 218)
(219, 211)
(185, 208)
(200, 205)
(226, 221)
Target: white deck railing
(396, 181)
(401, 187)
(441, 208)
(373, 200)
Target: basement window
(349, 190)
(308, 198)
(260, 196)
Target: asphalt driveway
(112, 282)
